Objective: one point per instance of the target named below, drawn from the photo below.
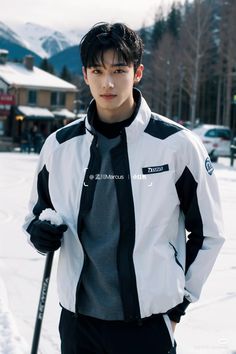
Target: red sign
(6, 99)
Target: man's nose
(108, 82)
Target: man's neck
(108, 116)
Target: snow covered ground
(208, 328)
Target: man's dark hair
(118, 37)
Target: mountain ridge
(42, 40)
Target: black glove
(45, 236)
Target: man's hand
(45, 236)
(173, 324)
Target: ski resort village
(189, 76)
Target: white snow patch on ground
(10, 340)
(209, 326)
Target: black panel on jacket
(70, 132)
(44, 200)
(186, 188)
(126, 269)
(161, 129)
(187, 192)
(89, 184)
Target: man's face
(111, 86)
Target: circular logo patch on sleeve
(209, 166)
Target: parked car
(216, 138)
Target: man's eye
(96, 71)
(119, 71)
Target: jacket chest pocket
(155, 193)
(157, 176)
(158, 179)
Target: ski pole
(54, 218)
(42, 302)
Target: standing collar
(135, 124)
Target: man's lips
(108, 96)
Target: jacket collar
(137, 126)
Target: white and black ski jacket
(170, 216)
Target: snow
(208, 327)
(64, 112)
(34, 37)
(52, 216)
(8, 34)
(16, 74)
(10, 339)
(35, 112)
(21, 267)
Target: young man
(127, 183)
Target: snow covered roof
(35, 112)
(3, 51)
(64, 113)
(17, 75)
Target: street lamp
(19, 118)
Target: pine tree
(158, 30)
(65, 74)
(174, 20)
(46, 66)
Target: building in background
(32, 99)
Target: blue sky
(81, 14)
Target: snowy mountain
(43, 40)
(16, 45)
(8, 34)
(18, 52)
(75, 35)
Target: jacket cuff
(29, 228)
(176, 312)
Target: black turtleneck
(111, 130)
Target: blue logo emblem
(209, 166)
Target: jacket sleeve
(200, 203)
(40, 194)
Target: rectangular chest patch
(155, 169)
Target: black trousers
(87, 335)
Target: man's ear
(139, 73)
(85, 75)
